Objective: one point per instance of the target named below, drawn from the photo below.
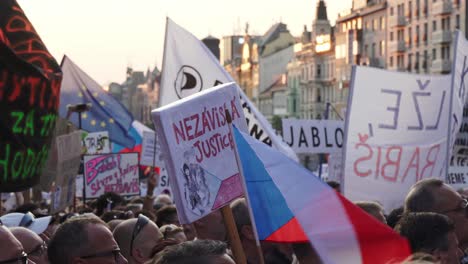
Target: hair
(71, 239)
(425, 231)
(394, 216)
(114, 214)
(170, 230)
(420, 198)
(371, 208)
(101, 202)
(240, 213)
(27, 207)
(163, 214)
(191, 252)
(419, 258)
(151, 216)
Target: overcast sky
(105, 36)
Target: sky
(103, 37)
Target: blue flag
(105, 114)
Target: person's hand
(153, 180)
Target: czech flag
(290, 204)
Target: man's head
(431, 233)
(374, 209)
(32, 244)
(12, 250)
(167, 215)
(107, 202)
(173, 232)
(197, 251)
(432, 195)
(161, 201)
(84, 239)
(137, 237)
(211, 227)
(241, 216)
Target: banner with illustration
(95, 142)
(198, 150)
(116, 172)
(396, 133)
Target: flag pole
(233, 234)
(247, 198)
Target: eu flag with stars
(105, 114)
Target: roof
(273, 33)
(279, 85)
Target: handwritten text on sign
(111, 173)
(313, 136)
(397, 133)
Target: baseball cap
(37, 225)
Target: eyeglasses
(141, 222)
(23, 259)
(39, 250)
(115, 253)
(27, 220)
(463, 206)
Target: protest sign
(197, 144)
(190, 67)
(335, 167)
(69, 157)
(29, 98)
(95, 142)
(396, 133)
(150, 150)
(116, 172)
(313, 136)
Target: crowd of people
(114, 229)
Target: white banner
(96, 143)
(396, 133)
(313, 136)
(69, 156)
(190, 67)
(195, 136)
(150, 149)
(335, 167)
(117, 173)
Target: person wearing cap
(33, 245)
(11, 250)
(137, 237)
(27, 220)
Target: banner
(29, 99)
(198, 150)
(69, 157)
(396, 133)
(95, 143)
(335, 167)
(150, 150)
(111, 173)
(190, 67)
(313, 136)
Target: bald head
(11, 247)
(114, 223)
(143, 243)
(422, 198)
(32, 244)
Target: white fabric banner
(313, 136)
(190, 67)
(200, 160)
(396, 133)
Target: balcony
(397, 46)
(441, 66)
(441, 36)
(397, 21)
(442, 8)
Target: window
(434, 54)
(375, 24)
(434, 25)
(391, 36)
(319, 71)
(382, 23)
(373, 51)
(410, 61)
(391, 61)
(381, 48)
(410, 10)
(425, 33)
(366, 49)
(410, 37)
(457, 22)
(417, 36)
(391, 11)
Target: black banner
(29, 99)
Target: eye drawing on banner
(188, 81)
(197, 193)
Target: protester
(136, 238)
(107, 202)
(146, 213)
(161, 201)
(84, 239)
(114, 223)
(33, 244)
(374, 209)
(37, 225)
(195, 252)
(432, 195)
(11, 249)
(211, 227)
(167, 215)
(394, 216)
(173, 232)
(431, 233)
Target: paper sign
(200, 159)
(117, 173)
(96, 143)
(396, 134)
(313, 136)
(150, 150)
(335, 167)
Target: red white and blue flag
(290, 204)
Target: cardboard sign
(96, 143)
(30, 88)
(396, 134)
(313, 136)
(117, 173)
(200, 160)
(69, 156)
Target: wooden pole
(1, 204)
(233, 235)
